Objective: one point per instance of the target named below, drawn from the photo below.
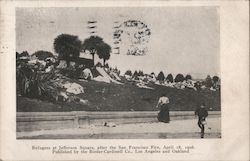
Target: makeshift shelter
(42, 55)
(86, 74)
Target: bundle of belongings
(69, 93)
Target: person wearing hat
(202, 113)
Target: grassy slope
(113, 97)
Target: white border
(234, 144)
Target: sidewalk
(174, 129)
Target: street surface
(174, 129)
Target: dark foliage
(140, 73)
(98, 64)
(42, 55)
(92, 44)
(106, 65)
(135, 75)
(24, 53)
(22, 58)
(35, 84)
(68, 47)
(188, 77)
(128, 72)
(215, 79)
(160, 76)
(17, 54)
(208, 82)
(170, 78)
(104, 51)
(179, 78)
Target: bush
(43, 55)
(68, 47)
(170, 78)
(35, 84)
(188, 77)
(179, 78)
(215, 79)
(135, 75)
(128, 72)
(140, 73)
(208, 82)
(160, 76)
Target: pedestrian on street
(202, 113)
(163, 115)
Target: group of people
(163, 115)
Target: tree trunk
(104, 60)
(68, 63)
(93, 58)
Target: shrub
(128, 72)
(215, 79)
(170, 78)
(35, 84)
(140, 73)
(208, 82)
(179, 78)
(188, 77)
(135, 75)
(161, 76)
(43, 55)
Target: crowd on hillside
(40, 77)
(35, 62)
(37, 66)
(180, 82)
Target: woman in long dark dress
(163, 115)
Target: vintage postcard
(106, 80)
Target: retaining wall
(33, 121)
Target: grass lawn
(127, 97)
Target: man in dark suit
(202, 113)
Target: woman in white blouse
(163, 115)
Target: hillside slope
(127, 97)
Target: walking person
(202, 113)
(163, 115)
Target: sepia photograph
(124, 80)
(118, 72)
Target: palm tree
(68, 47)
(92, 44)
(104, 51)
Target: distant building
(85, 59)
(89, 63)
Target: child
(202, 113)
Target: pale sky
(183, 39)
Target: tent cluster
(43, 75)
(49, 78)
(180, 82)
